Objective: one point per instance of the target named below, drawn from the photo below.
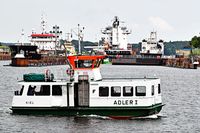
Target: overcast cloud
(172, 19)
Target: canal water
(180, 93)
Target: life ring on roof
(47, 74)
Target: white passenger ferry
(87, 93)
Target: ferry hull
(124, 112)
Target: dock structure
(44, 61)
(181, 63)
(5, 56)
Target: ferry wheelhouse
(87, 93)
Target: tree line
(195, 42)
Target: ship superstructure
(44, 48)
(117, 34)
(70, 49)
(152, 46)
(47, 42)
(120, 52)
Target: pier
(186, 63)
(5, 56)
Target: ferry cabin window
(115, 91)
(159, 89)
(103, 91)
(127, 91)
(140, 90)
(43, 90)
(19, 93)
(152, 90)
(31, 90)
(56, 90)
(87, 63)
(83, 63)
(97, 63)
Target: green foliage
(5, 48)
(195, 42)
(83, 44)
(196, 51)
(171, 47)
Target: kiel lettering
(123, 102)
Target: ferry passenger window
(140, 90)
(19, 92)
(57, 90)
(31, 90)
(103, 91)
(127, 91)
(44, 90)
(115, 91)
(159, 89)
(152, 90)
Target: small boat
(87, 93)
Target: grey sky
(172, 19)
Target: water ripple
(180, 91)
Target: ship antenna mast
(116, 25)
(80, 37)
(43, 24)
(22, 38)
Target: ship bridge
(85, 66)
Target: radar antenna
(43, 24)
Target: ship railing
(122, 79)
(135, 56)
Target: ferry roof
(93, 58)
(126, 81)
(129, 79)
(42, 35)
(57, 82)
(86, 57)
